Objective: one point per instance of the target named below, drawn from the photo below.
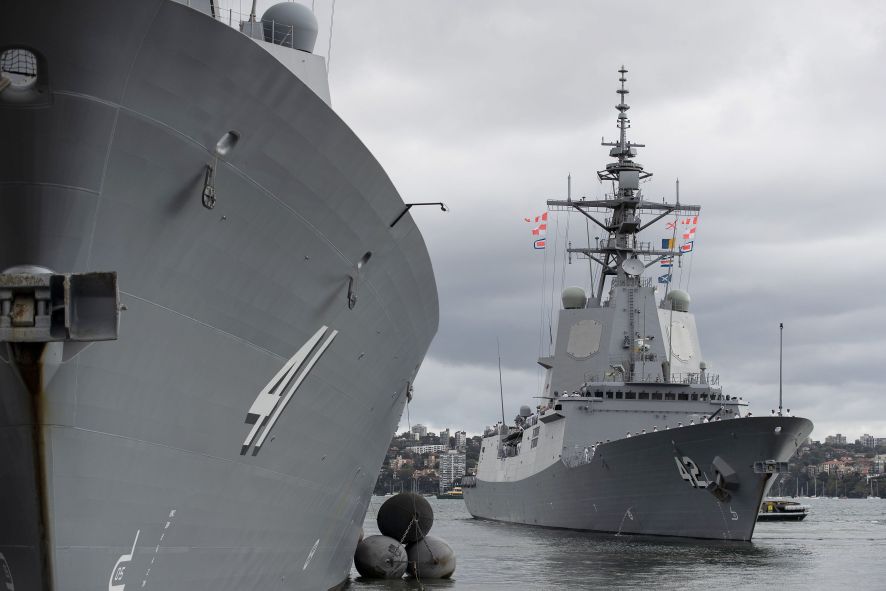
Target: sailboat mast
(501, 390)
(780, 333)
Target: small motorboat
(455, 493)
(781, 510)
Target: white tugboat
(635, 434)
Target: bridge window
(618, 395)
(630, 395)
(683, 397)
(656, 395)
(695, 397)
(609, 395)
(670, 396)
(644, 396)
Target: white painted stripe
(268, 399)
(294, 387)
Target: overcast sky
(770, 113)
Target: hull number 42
(689, 472)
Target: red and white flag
(539, 232)
(539, 218)
(689, 226)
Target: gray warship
(635, 435)
(212, 302)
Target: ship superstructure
(212, 302)
(634, 435)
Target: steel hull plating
(634, 485)
(127, 464)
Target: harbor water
(839, 545)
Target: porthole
(18, 68)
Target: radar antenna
(623, 122)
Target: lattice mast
(624, 206)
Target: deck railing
(235, 12)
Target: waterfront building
(399, 462)
(423, 449)
(461, 440)
(837, 439)
(867, 440)
(837, 467)
(452, 468)
(421, 430)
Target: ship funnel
(574, 298)
(290, 24)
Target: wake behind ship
(211, 304)
(634, 435)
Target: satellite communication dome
(290, 24)
(574, 298)
(525, 411)
(679, 300)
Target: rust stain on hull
(28, 359)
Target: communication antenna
(501, 390)
(780, 333)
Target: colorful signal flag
(539, 218)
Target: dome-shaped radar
(574, 298)
(679, 300)
(525, 411)
(290, 24)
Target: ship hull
(131, 463)
(635, 486)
